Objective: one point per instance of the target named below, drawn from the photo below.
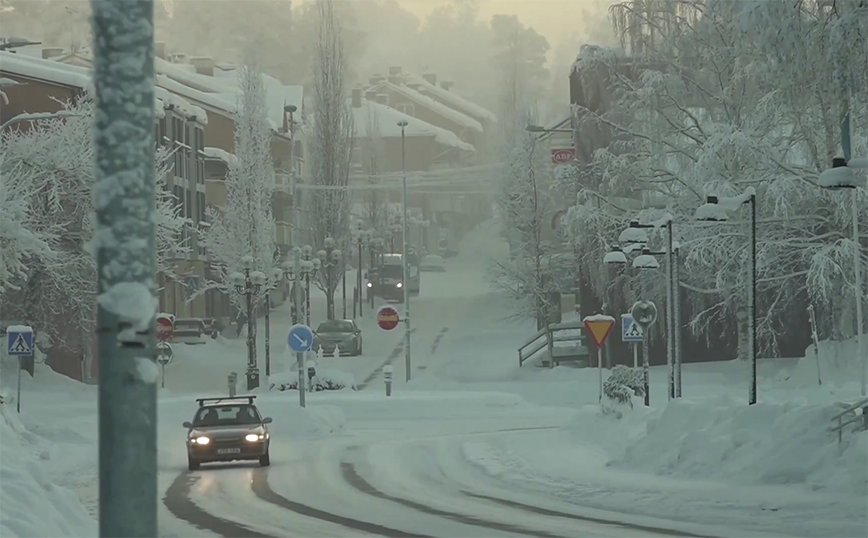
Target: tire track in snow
(263, 490)
(352, 477)
(440, 336)
(177, 500)
(379, 370)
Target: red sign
(599, 328)
(387, 318)
(165, 328)
(563, 156)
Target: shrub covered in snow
(325, 379)
(620, 388)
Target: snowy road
(391, 479)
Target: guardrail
(844, 421)
(540, 339)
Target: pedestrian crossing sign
(630, 330)
(19, 341)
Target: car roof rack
(202, 401)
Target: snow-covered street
(475, 446)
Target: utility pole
(404, 263)
(124, 203)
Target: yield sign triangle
(599, 329)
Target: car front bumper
(227, 451)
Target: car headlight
(370, 284)
(399, 285)
(252, 437)
(202, 440)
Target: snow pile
(785, 443)
(327, 378)
(32, 505)
(292, 421)
(839, 368)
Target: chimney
(431, 78)
(447, 84)
(383, 98)
(371, 96)
(204, 65)
(357, 97)
(51, 52)
(160, 49)
(395, 70)
(414, 86)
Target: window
(227, 415)
(178, 191)
(200, 155)
(406, 108)
(188, 203)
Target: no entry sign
(387, 318)
(165, 328)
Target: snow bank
(32, 505)
(839, 368)
(293, 421)
(786, 443)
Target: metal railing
(844, 420)
(540, 339)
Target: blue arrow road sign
(630, 330)
(300, 338)
(19, 340)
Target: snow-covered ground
(472, 446)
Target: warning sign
(599, 327)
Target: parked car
(227, 429)
(190, 331)
(432, 264)
(341, 333)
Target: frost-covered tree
(525, 202)
(47, 173)
(372, 153)
(245, 227)
(330, 143)
(703, 106)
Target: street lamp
(249, 284)
(842, 177)
(329, 258)
(405, 271)
(716, 209)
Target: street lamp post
(716, 209)
(842, 177)
(405, 271)
(329, 257)
(309, 268)
(249, 284)
(645, 261)
(276, 280)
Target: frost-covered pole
(404, 263)
(676, 295)
(124, 202)
(752, 300)
(296, 300)
(670, 310)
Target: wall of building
(35, 96)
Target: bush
(318, 386)
(620, 388)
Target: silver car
(338, 333)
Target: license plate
(228, 450)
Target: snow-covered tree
(48, 179)
(709, 110)
(330, 143)
(245, 227)
(525, 202)
(372, 153)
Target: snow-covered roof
(224, 85)
(386, 119)
(208, 99)
(80, 77)
(424, 100)
(452, 98)
(217, 153)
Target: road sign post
(165, 353)
(300, 340)
(599, 327)
(388, 371)
(631, 333)
(645, 314)
(20, 343)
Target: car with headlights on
(343, 334)
(227, 429)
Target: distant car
(190, 331)
(432, 264)
(340, 333)
(227, 429)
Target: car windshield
(335, 326)
(389, 271)
(227, 415)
